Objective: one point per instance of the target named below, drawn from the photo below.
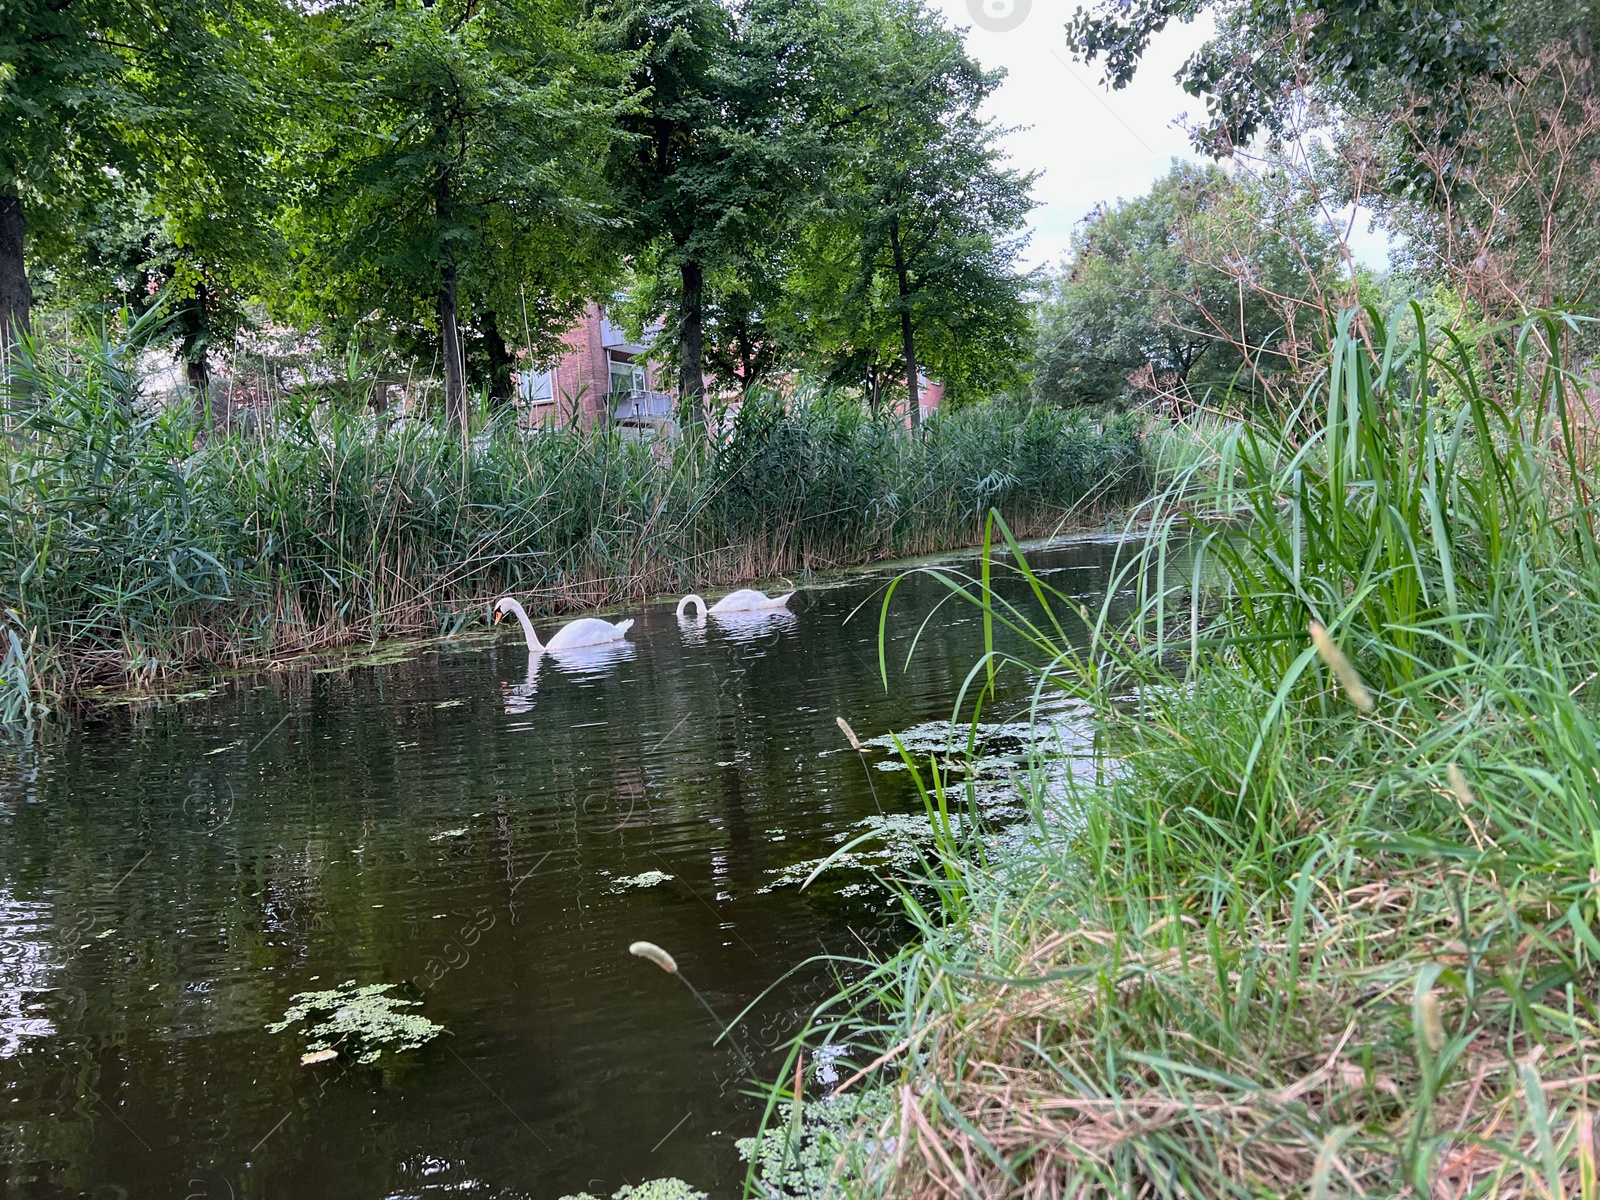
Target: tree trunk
(746, 372)
(16, 297)
(455, 383)
(1583, 51)
(455, 390)
(691, 345)
(907, 337)
(500, 362)
(194, 321)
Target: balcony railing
(642, 407)
(613, 337)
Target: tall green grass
(140, 539)
(1285, 945)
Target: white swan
(744, 600)
(585, 631)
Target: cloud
(1091, 145)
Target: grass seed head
(1432, 1021)
(1343, 669)
(656, 955)
(849, 734)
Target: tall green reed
(141, 538)
(1201, 931)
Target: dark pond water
(170, 879)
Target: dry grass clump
(1356, 1039)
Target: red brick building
(602, 377)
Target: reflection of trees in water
(332, 814)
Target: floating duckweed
(650, 1189)
(377, 656)
(832, 1128)
(360, 1021)
(644, 880)
(904, 838)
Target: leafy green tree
(743, 337)
(740, 119)
(673, 172)
(1202, 289)
(911, 258)
(449, 165)
(1264, 52)
(113, 111)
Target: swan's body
(585, 631)
(744, 600)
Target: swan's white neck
(535, 646)
(691, 598)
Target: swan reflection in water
(580, 663)
(749, 625)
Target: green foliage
(711, 171)
(138, 539)
(450, 147)
(799, 1152)
(1263, 50)
(361, 1023)
(447, 179)
(810, 180)
(137, 139)
(910, 260)
(1319, 941)
(650, 1189)
(1196, 292)
(1514, 218)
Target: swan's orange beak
(497, 615)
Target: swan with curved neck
(585, 631)
(744, 600)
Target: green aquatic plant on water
(809, 1155)
(646, 879)
(360, 1022)
(650, 1189)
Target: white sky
(1091, 144)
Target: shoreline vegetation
(141, 541)
(1318, 917)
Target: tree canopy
(1197, 292)
(447, 164)
(149, 125)
(910, 259)
(782, 185)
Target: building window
(536, 387)
(622, 377)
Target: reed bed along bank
(139, 539)
(1319, 917)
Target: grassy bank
(1324, 923)
(141, 540)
